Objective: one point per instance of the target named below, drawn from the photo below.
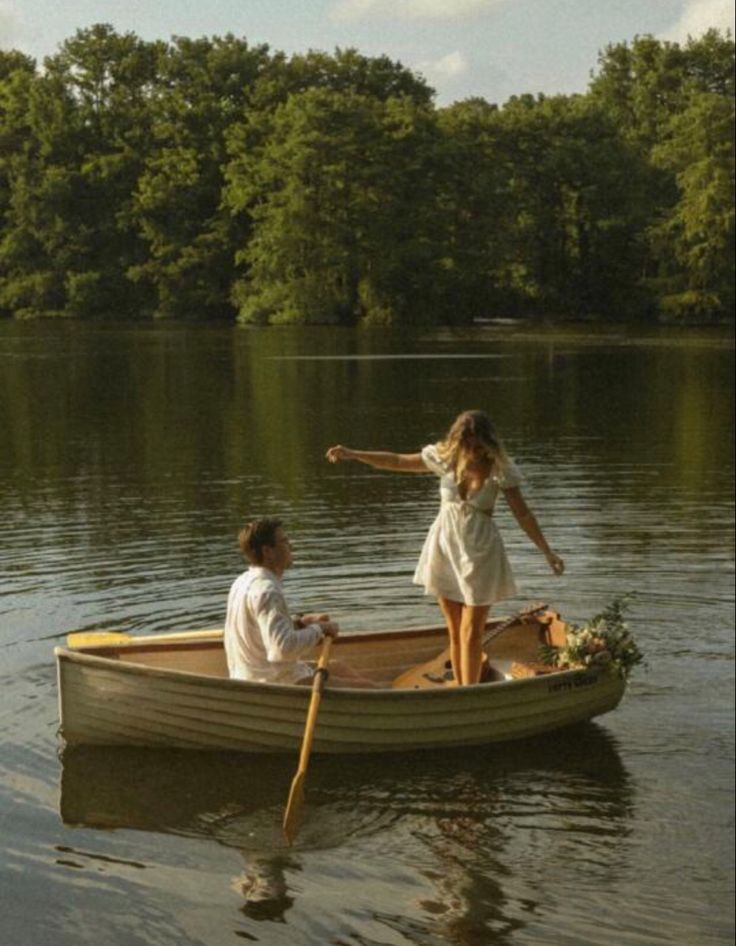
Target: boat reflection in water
(465, 820)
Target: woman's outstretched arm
(398, 462)
(528, 522)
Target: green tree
(34, 246)
(473, 206)
(17, 74)
(571, 223)
(66, 247)
(271, 185)
(179, 179)
(674, 103)
(177, 204)
(347, 70)
(12, 61)
(694, 239)
(642, 85)
(338, 195)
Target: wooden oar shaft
(296, 794)
(320, 678)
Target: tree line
(208, 178)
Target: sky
(487, 48)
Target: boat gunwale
(128, 644)
(131, 644)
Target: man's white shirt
(261, 642)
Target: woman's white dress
(464, 558)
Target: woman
(463, 562)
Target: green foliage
(204, 178)
(675, 104)
(70, 180)
(694, 239)
(644, 84)
(571, 215)
(332, 191)
(177, 202)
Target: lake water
(129, 456)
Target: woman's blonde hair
(478, 428)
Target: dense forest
(207, 178)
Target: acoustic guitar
(438, 672)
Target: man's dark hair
(254, 535)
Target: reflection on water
(455, 812)
(129, 406)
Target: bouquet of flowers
(604, 641)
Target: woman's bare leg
(472, 625)
(453, 613)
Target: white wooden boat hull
(178, 696)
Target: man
(262, 641)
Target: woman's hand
(555, 563)
(335, 454)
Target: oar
(292, 815)
(107, 638)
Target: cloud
(412, 9)
(447, 67)
(701, 15)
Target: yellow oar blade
(107, 638)
(95, 638)
(294, 808)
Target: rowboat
(174, 691)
